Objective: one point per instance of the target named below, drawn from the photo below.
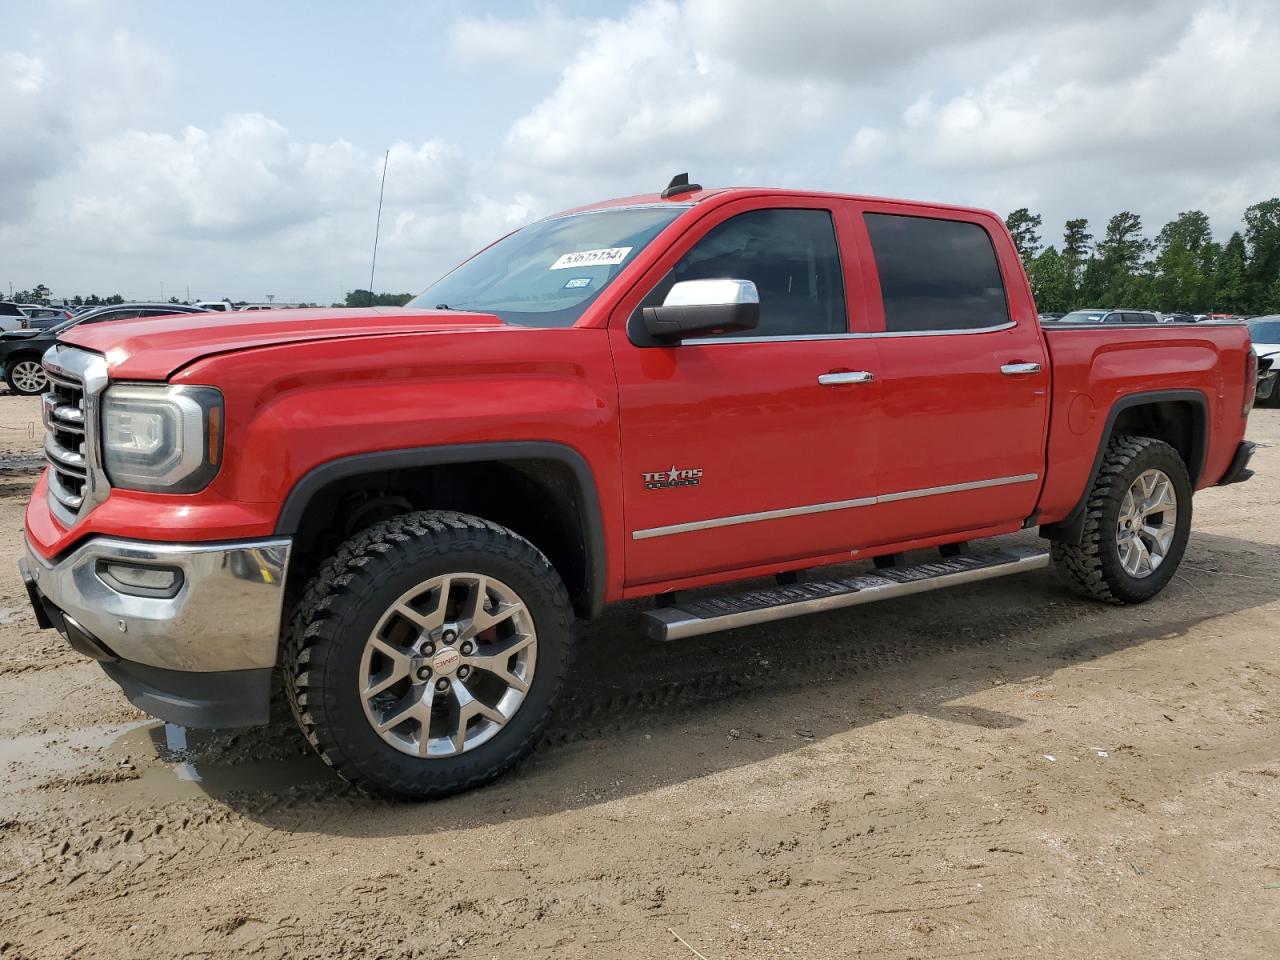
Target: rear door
(963, 371)
(735, 451)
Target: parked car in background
(1051, 317)
(1265, 334)
(11, 317)
(1179, 318)
(1098, 315)
(42, 318)
(22, 350)
(219, 306)
(1268, 374)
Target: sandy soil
(1001, 772)
(20, 429)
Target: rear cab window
(936, 275)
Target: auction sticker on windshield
(591, 258)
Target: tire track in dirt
(138, 849)
(140, 843)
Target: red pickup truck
(406, 510)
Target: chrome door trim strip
(731, 521)
(956, 487)
(879, 335)
(750, 518)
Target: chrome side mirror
(696, 308)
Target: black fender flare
(382, 461)
(1071, 527)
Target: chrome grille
(64, 441)
(75, 479)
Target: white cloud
(867, 44)
(1212, 97)
(867, 146)
(32, 144)
(540, 42)
(642, 93)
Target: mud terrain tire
(349, 598)
(1094, 567)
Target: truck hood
(153, 349)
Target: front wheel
(1137, 522)
(427, 654)
(26, 376)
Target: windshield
(1266, 330)
(548, 273)
(1084, 316)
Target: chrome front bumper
(224, 614)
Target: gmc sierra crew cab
(406, 510)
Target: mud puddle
(145, 762)
(171, 766)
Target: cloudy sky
(235, 147)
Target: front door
(734, 454)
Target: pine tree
(1024, 227)
(1075, 251)
(1229, 280)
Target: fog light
(144, 581)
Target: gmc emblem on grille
(675, 477)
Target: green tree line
(363, 298)
(1182, 270)
(41, 294)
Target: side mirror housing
(695, 308)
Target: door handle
(1019, 369)
(846, 376)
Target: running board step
(695, 617)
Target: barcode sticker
(605, 256)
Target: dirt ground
(1002, 771)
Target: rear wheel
(1137, 522)
(428, 653)
(26, 376)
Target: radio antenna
(378, 227)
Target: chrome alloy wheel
(1148, 521)
(29, 376)
(448, 665)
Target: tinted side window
(790, 255)
(936, 274)
(114, 315)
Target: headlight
(161, 437)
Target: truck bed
(1095, 368)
